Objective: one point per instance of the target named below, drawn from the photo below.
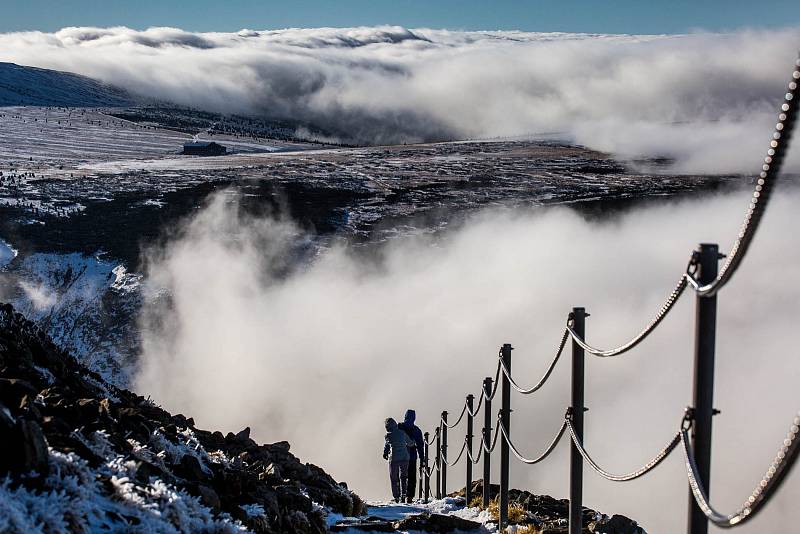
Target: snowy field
(54, 141)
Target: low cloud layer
(707, 100)
(321, 354)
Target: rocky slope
(78, 455)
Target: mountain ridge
(22, 85)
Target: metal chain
(770, 171)
(766, 488)
(544, 455)
(476, 459)
(494, 439)
(433, 438)
(460, 454)
(460, 417)
(665, 309)
(544, 378)
(649, 466)
(494, 384)
(474, 412)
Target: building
(204, 148)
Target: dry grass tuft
(516, 513)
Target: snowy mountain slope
(30, 86)
(86, 303)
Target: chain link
(665, 309)
(460, 417)
(460, 454)
(474, 412)
(544, 455)
(544, 378)
(494, 384)
(766, 488)
(770, 171)
(649, 466)
(433, 437)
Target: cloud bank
(706, 100)
(320, 354)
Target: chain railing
(706, 281)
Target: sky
(623, 16)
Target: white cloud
(321, 354)
(707, 100)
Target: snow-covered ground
(73, 296)
(7, 253)
(49, 141)
(390, 511)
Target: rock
(209, 497)
(436, 523)
(13, 390)
(191, 469)
(289, 496)
(65, 405)
(34, 455)
(616, 524)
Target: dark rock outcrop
(47, 399)
(550, 515)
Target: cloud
(320, 351)
(706, 100)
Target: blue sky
(623, 16)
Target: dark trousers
(398, 475)
(412, 478)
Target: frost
(76, 492)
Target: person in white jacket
(395, 450)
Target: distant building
(204, 148)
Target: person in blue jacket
(415, 451)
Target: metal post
(444, 454)
(468, 487)
(576, 411)
(505, 420)
(425, 463)
(487, 438)
(439, 461)
(707, 258)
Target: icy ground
(390, 511)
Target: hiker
(415, 451)
(396, 451)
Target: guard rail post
(578, 316)
(487, 440)
(444, 455)
(439, 461)
(706, 257)
(468, 487)
(505, 421)
(425, 462)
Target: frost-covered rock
(78, 452)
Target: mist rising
(320, 356)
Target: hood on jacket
(391, 424)
(411, 416)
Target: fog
(320, 354)
(706, 100)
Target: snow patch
(7, 253)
